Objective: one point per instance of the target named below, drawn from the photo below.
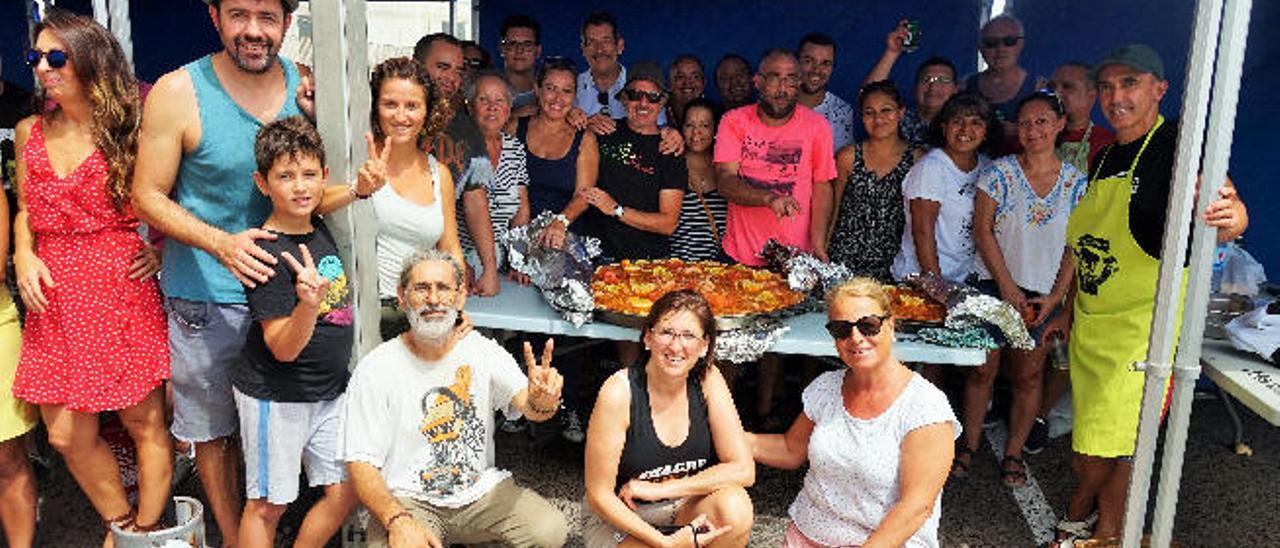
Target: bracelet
(560, 217)
(401, 514)
(694, 530)
(548, 411)
(351, 189)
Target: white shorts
(280, 439)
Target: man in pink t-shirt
(774, 163)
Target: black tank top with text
(645, 457)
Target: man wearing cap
(194, 182)
(1116, 233)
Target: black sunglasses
(56, 58)
(868, 326)
(993, 41)
(653, 97)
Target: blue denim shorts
(205, 340)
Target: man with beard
(733, 81)
(1116, 234)
(194, 182)
(817, 54)
(420, 418)
(461, 147)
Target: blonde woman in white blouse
(878, 438)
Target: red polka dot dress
(102, 342)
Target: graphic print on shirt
(624, 154)
(1095, 262)
(335, 309)
(778, 161)
(456, 436)
(673, 471)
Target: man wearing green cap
(1116, 234)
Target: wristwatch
(617, 212)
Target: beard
(778, 112)
(248, 65)
(432, 330)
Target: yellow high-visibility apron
(1115, 298)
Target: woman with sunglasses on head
(414, 202)
(703, 210)
(95, 337)
(667, 463)
(562, 160)
(877, 438)
(1019, 227)
(868, 188)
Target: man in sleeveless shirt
(194, 182)
(1116, 234)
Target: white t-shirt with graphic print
(428, 426)
(852, 481)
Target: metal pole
(1195, 101)
(100, 13)
(122, 28)
(1226, 90)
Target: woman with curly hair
(415, 208)
(95, 338)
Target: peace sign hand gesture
(544, 381)
(311, 286)
(373, 174)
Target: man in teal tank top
(194, 182)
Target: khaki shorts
(597, 533)
(509, 514)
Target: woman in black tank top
(666, 454)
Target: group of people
(248, 325)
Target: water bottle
(1058, 356)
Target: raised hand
(896, 37)
(311, 286)
(373, 174)
(545, 382)
(240, 254)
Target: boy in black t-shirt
(293, 370)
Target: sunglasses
(991, 42)
(653, 97)
(868, 326)
(56, 58)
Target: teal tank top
(215, 183)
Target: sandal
(1070, 531)
(123, 522)
(961, 462)
(1015, 476)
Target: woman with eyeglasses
(95, 337)
(877, 438)
(667, 463)
(1004, 81)
(562, 160)
(415, 206)
(1019, 227)
(868, 188)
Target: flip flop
(1015, 477)
(960, 468)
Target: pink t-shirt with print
(785, 160)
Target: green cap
(1139, 56)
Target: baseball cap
(289, 5)
(648, 71)
(1138, 56)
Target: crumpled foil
(969, 337)
(968, 308)
(750, 342)
(804, 272)
(562, 275)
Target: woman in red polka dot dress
(95, 335)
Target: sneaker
(1038, 438)
(511, 426)
(572, 427)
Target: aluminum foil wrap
(750, 342)
(804, 272)
(969, 337)
(563, 275)
(967, 308)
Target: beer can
(912, 42)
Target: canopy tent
(712, 28)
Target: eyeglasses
(868, 326)
(524, 45)
(668, 335)
(55, 57)
(990, 42)
(940, 80)
(472, 63)
(653, 97)
(424, 289)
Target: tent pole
(1159, 360)
(1226, 91)
(122, 28)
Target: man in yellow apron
(1116, 233)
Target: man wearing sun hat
(1116, 234)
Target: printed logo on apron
(1096, 264)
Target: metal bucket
(188, 514)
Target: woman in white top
(407, 113)
(877, 437)
(1020, 224)
(938, 191)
